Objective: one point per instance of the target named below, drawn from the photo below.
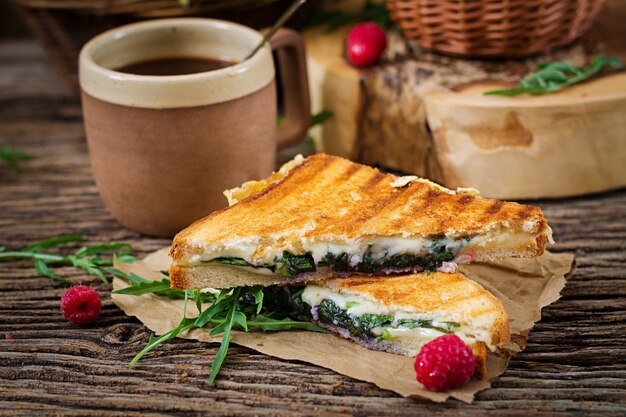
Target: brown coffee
(175, 66)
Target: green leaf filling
(361, 326)
(330, 313)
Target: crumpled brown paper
(523, 285)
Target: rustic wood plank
(575, 362)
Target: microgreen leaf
(555, 76)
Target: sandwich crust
(331, 199)
(226, 276)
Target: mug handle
(290, 52)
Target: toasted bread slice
(413, 310)
(326, 211)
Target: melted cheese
(379, 247)
(357, 306)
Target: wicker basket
(493, 28)
(63, 26)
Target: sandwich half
(324, 215)
(400, 314)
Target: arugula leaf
(268, 324)
(87, 258)
(153, 287)
(428, 324)
(258, 298)
(555, 76)
(228, 261)
(11, 156)
(231, 309)
(207, 315)
(184, 325)
(52, 242)
(132, 277)
(43, 269)
(161, 288)
(197, 295)
(226, 327)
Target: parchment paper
(523, 285)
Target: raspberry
(445, 362)
(365, 44)
(80, 304)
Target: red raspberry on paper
(80, 304)
(445, 362)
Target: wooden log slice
(425, 114)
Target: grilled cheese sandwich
(324, 215)
(400, 314)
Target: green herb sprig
(141, 286)
(555, 76)
(12, 156)
(87, 258)
(236, 309)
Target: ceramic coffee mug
(164, 148)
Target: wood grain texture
(575, 362)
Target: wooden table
(575, 362)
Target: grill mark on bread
(349, 172)
(464, 201)
(274, 185)
(431, 205)
(376, 177)
(423, 292)
(321, 185)
(367, 213)
(525, 212)
(400, 198)
(494, 208)
(491, 210)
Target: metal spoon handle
(279, 23)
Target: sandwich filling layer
(373, 256)
(372, 323)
